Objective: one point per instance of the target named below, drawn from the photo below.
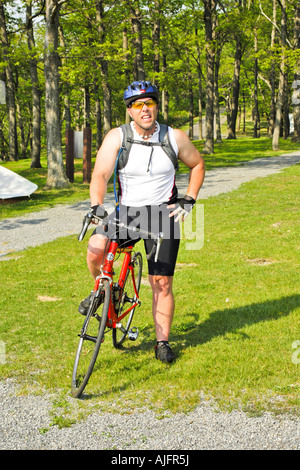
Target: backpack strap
(128, 140)
(126, 145)
(166, 145)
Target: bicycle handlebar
(158, 238)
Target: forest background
(65, 66)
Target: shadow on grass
(222, 322)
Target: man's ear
(129, 112)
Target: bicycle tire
(91, 338)
(118, 335)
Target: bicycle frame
(107, 272)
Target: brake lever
(159, 240)
(86, 222)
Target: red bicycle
(112, 303)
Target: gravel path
(24, 418)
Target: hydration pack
(128, 140)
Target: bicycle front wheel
(128, 297)
(91, 338)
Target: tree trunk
(36, 94)
(286, 106)
(165, 93)
(10, 88)
(244, 114)
(56, 177)
(216, 97)
(165, 105)
(280, 97)
(191, 104)
(296, 107)
(106, 97)
(279, 105)
(296, 83)
(209, 6)
(156, 39)
(104, 71)
(21, 130)
(273, 75)
(200, 105)
(66, 85)
(2, 142)
(126, 65)
(200, 92)
(235, 89)
(98, 116)
(256, 129)
(138, 41)
(126, 55)
(87, 106)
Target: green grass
(237, 315)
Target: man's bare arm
(104, 166)
(192, 158)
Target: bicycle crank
(133, 333)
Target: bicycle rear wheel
(91, 338)
(128, 297)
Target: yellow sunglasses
(139, 104)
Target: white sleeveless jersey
(149, 175)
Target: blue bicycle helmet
(141, 89)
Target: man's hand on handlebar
(96, 212)
(99, 211)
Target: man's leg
(95, 256)
(163, 312)
(162, 305)
(95, 253)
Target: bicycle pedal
(133, 333)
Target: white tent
(13, 185)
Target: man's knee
(161, 283)
(96, 248)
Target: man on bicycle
(147, 185)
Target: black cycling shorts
(147, 218)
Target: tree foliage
(200, 53)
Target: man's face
(145, 116)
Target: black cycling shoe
(84, 306)
(163, 352)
